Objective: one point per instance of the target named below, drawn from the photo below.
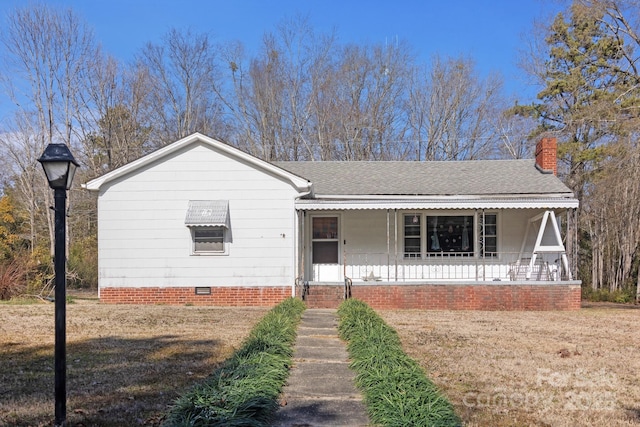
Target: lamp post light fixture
(59, 167)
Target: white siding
(143, 240)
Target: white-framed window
(450, 235)
(325, 245)
(208, 240)
(488, 235)
(210, 226)
(412, 235)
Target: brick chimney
(546, 152)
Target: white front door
(325, 248)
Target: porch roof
(434, 178)
(439, 203)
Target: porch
(435, 245)
(468, 259)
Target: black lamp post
(60, 166)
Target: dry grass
(126, 364)
(530, 368)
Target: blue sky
(492, 32)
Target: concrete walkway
(320, 390)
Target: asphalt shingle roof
(436, 178)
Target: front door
(325, 248)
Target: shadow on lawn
(111, 381)
(603, 304)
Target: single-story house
(202, 222)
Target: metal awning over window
(207, 213)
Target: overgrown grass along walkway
(245, 389)
(395, 388)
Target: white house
(201, 222)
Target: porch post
(572, 240)
(477, 243)
(301, 252)
(481, 234)
(484, 240)
(395, 229)
(388, 248)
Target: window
(412, 236)
(450, 234)
(210, 226)
(325, 240)
(208, 240)
(488, 235)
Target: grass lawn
(126, 364)
(498, 369)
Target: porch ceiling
(438, 203)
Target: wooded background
(306, 96)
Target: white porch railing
(376, 267)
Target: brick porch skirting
(453, 296)
(234, 296)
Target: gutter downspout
(299, 245)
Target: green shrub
(245, 389)
(395, 388)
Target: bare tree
(613, 219)
(47, 50)
(514, 134)
(182, 74)
(274, 96)
(116, 115)
(21, 148)
(305, 97)
(453, 113)
(371, 92)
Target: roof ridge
(400, 161)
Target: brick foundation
(220, 296)
(321, 296)
(452, 297)
(429, 297)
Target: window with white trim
(209, 223)
(488, 235)
(208, 240)
(450, 235)
(324, 240)
(412, 236)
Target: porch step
(324, 296)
